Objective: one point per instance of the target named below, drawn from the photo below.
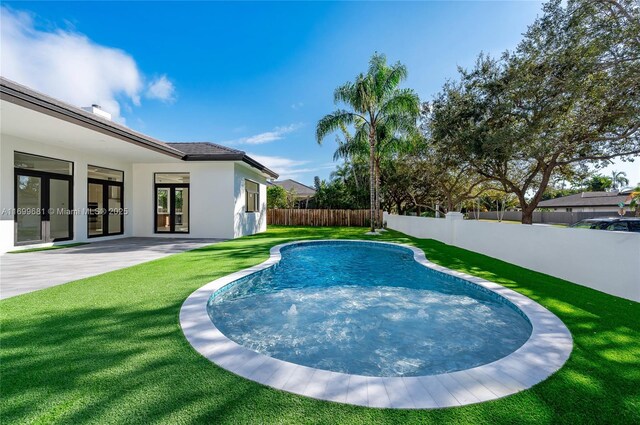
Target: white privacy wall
(602, 260)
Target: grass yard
(109, 349)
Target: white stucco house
(72, 174)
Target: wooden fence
(303, 217)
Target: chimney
(97, 110)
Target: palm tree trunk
(372, 178)
(378, 221)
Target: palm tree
(394, 136)
(634, 198)
(375, 101)
(619, 179)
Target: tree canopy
(567, 98)
(520, 126)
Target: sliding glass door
(43, 199)
(171, 203)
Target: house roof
(207, 151)
(203, 148)
(18, 94)
(300, 189)
(586, 199)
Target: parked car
(620, 224)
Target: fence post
(451, 218)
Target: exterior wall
(602, 260)
(211, 198)
(245, 223)
(10, 144)
(216, 194)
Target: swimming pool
(319, 299)
(367, 309)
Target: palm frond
(404, 101)
(344, 93)
(355, 146)
(335, 121)
(395, 75)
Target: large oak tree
(568, 97)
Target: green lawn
(109, 349)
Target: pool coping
(546, 350)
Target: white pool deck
(546, 350)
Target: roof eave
(247, 159)
(22, 96)
(232, 157)
(213, 157)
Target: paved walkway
(31, 271)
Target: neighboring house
(71, 174)
(303, 193)
(587, 202)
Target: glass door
(182, 209)
(163, 215)
(172, 209)
(105, 208)
(59, 211)
(172, 202)
(105, 201)
(95, 205)
(43, 208)
(115, 211)
(29, 209)
(43, 199)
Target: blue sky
(256, 76)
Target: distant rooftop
(587, 199)
(300, 189)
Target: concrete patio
(30, 271)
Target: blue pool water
(367, 309)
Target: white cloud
(67, 65)
(277, 133)
(296, 106)
(289, 168)
(285, 167)
(161, 88)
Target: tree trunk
(378, 221)
(527, 215)
(372, 178)
(528, 209)
(450, 205)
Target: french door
(44, 203)
(172, 208)
(106, 216)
